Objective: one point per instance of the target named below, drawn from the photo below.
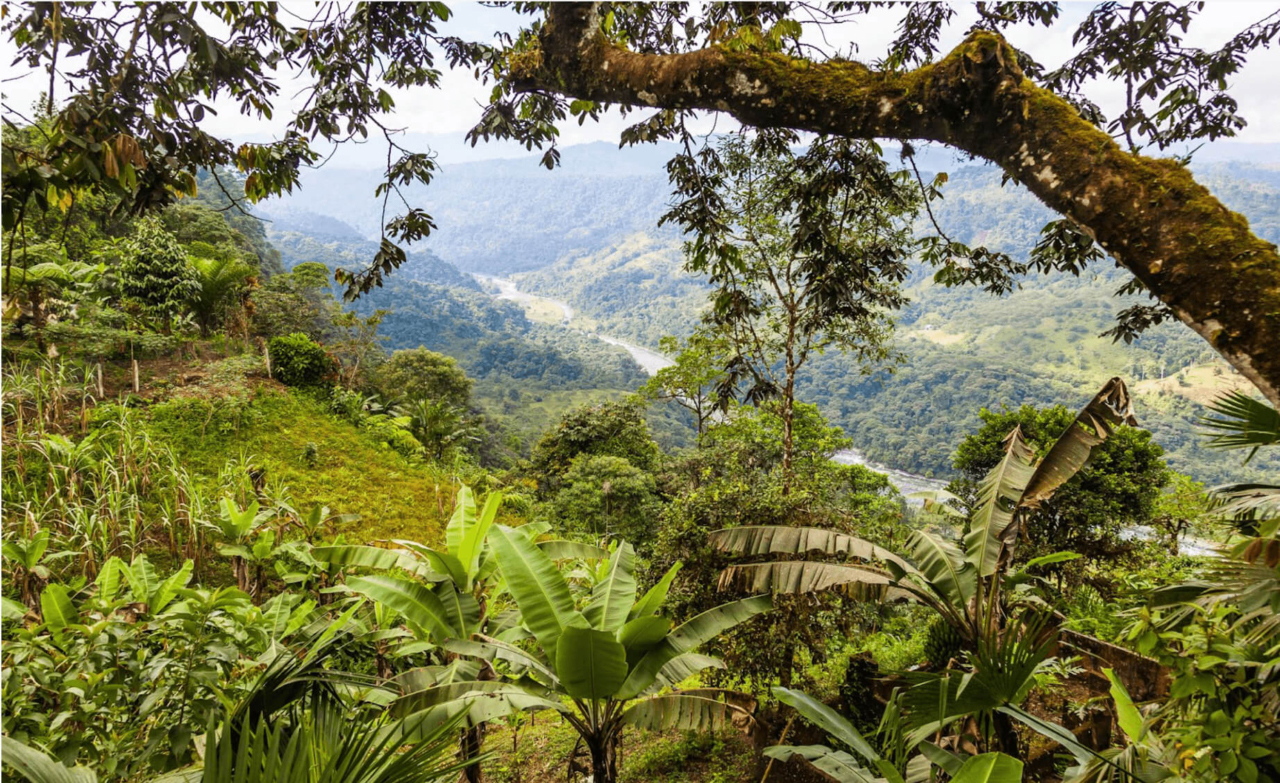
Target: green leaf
(590, 663)
(36, 767)
(108, 581)
(686, 711)
(998, 498)
(537, 587)
(642, 633)
(989, 768)
(374, 557)
(828, 720)
(753, 540)
(11, 609)
(473, 539)
(142, 578)
(612, 598)
(652, 601)
(1127, 714)
(688, 637)
(560, 549)
(464, 517)
(168, 589)
(419, 606)
(944, 759)
(57, 608)
(836, 763)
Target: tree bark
(1190, 251)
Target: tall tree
(131, 117)
(805, 252)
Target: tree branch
(1189, 250)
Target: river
(652, 361)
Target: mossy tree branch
(1190, 251)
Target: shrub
(297, 360)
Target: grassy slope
(207, 425)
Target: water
(652, 361)
(507, 289)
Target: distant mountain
(587, 234)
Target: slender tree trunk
(788, 418)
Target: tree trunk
(604, 760)
(1196, 256)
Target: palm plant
(221, 281)
(295, 727)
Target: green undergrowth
(318, 457)
(539, 751)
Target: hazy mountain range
(586, 233)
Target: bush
(297, 360)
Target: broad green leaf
(461, 608)
(36, 767)
(1109, 408)
(108, 581)
(374, 557)
(836, 763)
(464, 517)
(828, 720)
(1127, 714)
(943, 566)
(419, 606)
(642, 633)
(699, 711)
(652, 601)
(57, 608)
(989, 768)
(560, 549)
(142, 578)
(612, 598)
(590, 663)
(998, 497)
(688, 637)
(473, 540)
(684, 666)
(945, 759)
(751, 540)
(537, 587)
(418, 700)
(168, 589)
(494, 649)
(11, 609)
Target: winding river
(652, 361)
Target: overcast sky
(446, 113)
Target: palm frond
(1241, 422)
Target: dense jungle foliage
(256, 531)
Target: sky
(442, 116)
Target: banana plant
(962, 582)
(249, 546)
(611, 658)
(445, 596)
(844, 767)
